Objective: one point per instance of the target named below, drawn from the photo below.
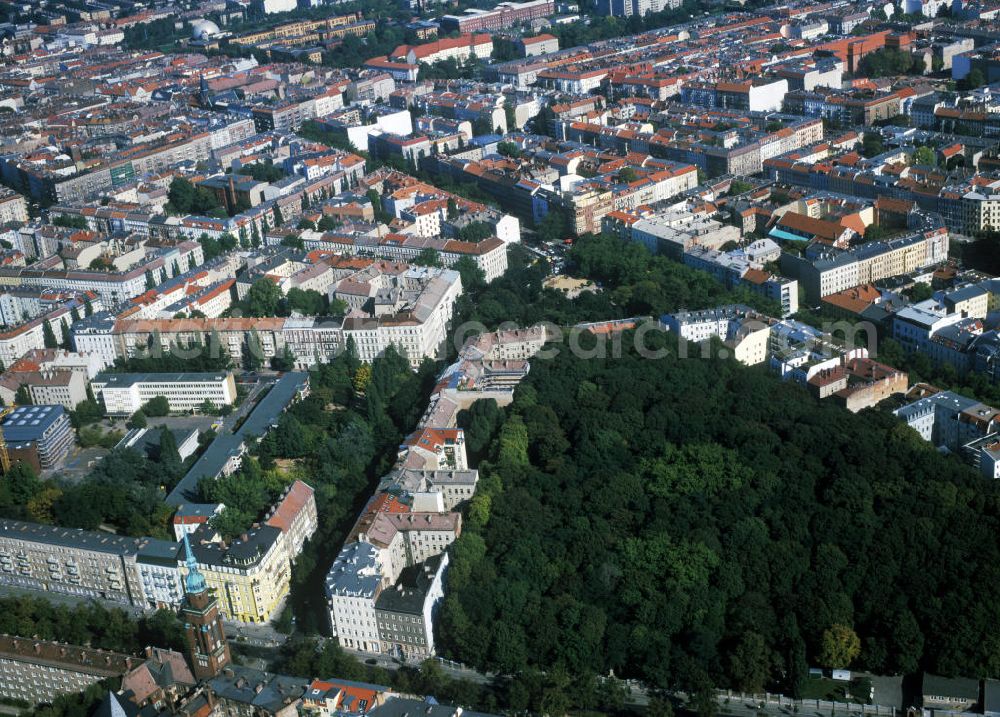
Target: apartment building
(41, 435)
(949, 420)
(66, 184)
(113, 288)
(538, 45)
(504, 15)
(761, 95)
(490, 254)
(13, 208)
(405, 611)
(125, 393)
(630, 8)
(972, 207)
(857, 383)
(61, 387)
(250, 575)
(72, 562)
(744, 332)
(353, 583)
(87, 365)
(38, 671)
(294, 515)
(432, 490)
(459, 49)
(290, 115)
(234, 336)
(831, 273)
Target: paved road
(79, 463)
(257, 635)
(452, 669)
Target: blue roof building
(42, 432)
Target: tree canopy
(714, 526)
(186, 198)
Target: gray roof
(355, 571)
(408, 707)
(159, 552)
(965, 293)
(114, 706)
(991, 695)
(409, 593)
(122, 380)
(240, 684)
(73, 538)
(227, 445)
(247, 549)
(195, 510)
(946, 399)
(958, 687)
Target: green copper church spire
(194, 583)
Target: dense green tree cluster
(695, 522)
(306, 658)
(888, 62)
(265, 298)
(983, 253)
(89, 624)
(212, 247)
(605, 27)
(973, 80)
(247, 493)
(312, 131)
(71, 222)
(519, 297)
(77, 704)
(149, 35)
(943, 375)
(157, 406)
(475, 232)
(262, 171)
(651, 284)
(125, 490)
(871, 144)
(451, 69)
(541, 692)
(428, 257)
(206, 355)
(644, 284)
(186, 198)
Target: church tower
(207, 648)
(204, 93)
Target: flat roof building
(125, 393)
(46, 430)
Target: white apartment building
(125, 393)
(13, 208)
(95, 336)
(17, 342)
(745, 333)
(352, 586)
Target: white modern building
(125, 393)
